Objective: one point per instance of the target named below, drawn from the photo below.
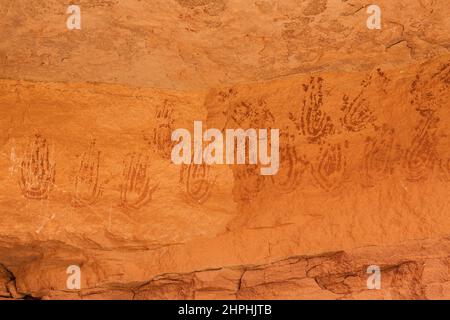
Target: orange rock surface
(86, 177)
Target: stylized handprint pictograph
(37, 170)
(246, 114)
(357, 113)
(330, 168)
(420, 158)
(292, 165)
(379, 155)
(261, 116)
(430, 93)
(161, 137)
(224, 98)
(226, 95)
(87, 187)
(313, 122)
(241, 113)
(237, 113)
(198, 181)
(136, 189)
(249, 182)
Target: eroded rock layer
(192, 44)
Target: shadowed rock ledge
(414, 270)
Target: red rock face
(87, 182)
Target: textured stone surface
(365, 155)
(414, 270)
(202, 44)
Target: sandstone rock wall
(196, 44)
(86, 177)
